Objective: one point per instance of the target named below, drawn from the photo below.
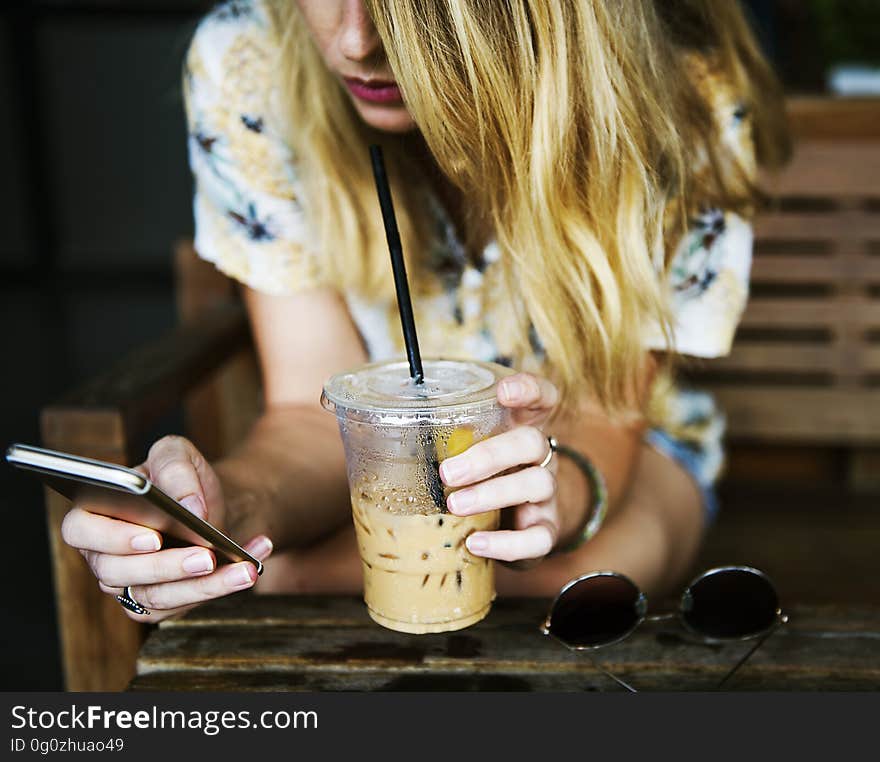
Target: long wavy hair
(576, 130)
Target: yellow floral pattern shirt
(250, 224)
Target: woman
(574, 182)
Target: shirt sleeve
(248, 218)
(708, 285)
(707, 280)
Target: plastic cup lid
(384, 393)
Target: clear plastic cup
(418, 574)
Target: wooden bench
(804, 368)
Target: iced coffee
(419, 576)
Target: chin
(387, 118)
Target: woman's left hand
(530, 491)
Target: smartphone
(123, 493)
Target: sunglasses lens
(731, 603)
(596, 610)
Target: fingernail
(194, 504)
(476, 543)
(512, 391)
(462, 501)
(239, 575)
(453, 470)
(260, 548)
(198, 563)
(147, 541)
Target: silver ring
(128, 602)
(552, 442)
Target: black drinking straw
(401, 285)
(404, 305)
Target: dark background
(95, 187)
(94, 190)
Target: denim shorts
(703, 465)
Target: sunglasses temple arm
(782, 619)
(617, 680)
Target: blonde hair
(571, 126)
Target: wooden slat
(774, 357)
(823, 168)
(801, 414)
(771, 268)
(842, 118)
(812, 312)
(869, 358)
(817, 226)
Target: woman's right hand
(165, 582)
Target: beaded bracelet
(598, 492)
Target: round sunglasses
(726, 603)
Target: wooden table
(255, 643)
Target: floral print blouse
(249, 223)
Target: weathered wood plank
(503, 650)
(649, 677)
(819, 648)
(320, 611)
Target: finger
(150, 568)
(513, 545)
(114, 591)
(529, 514)
(172, 468)
(173, 595)
(529, 485)
(260, 547)
(90, 531)
(150, 618)
(520, 446)
(526, 390)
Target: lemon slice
(460, 439)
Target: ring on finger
(128, 602)
(551, 441)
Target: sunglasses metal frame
(641, 606)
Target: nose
(358, 39)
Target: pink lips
(375, 91)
